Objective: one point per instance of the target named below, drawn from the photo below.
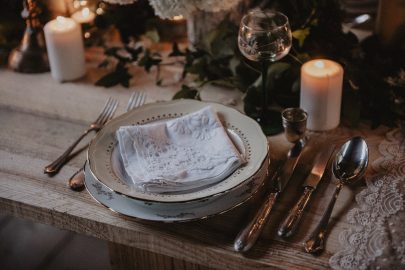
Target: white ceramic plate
(173, 212)
(246, 133)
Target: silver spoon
(349, 166)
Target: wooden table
(40, 117)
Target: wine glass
(265, 37)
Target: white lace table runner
(376, 237)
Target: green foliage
(176, 51)
(371, 89)
(123, 57)
(149, 60)
(119, 76)
(187, 92)
(218, 60)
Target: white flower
(167, 9)
(120, 2)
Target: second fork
(76, 181)
(106, 114)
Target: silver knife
(291, 222)
(247, 237)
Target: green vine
(371, 89)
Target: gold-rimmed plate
(105, 164)
(177, 211)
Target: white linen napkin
(178, 155)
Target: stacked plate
(107, 181)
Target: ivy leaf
(112, 51)
(230, 82)
(273, 73)
(199, 67)
(187, 92)
(190, 57)
(119, 53)
(176, 51)
(153, 35)
(221, 41)
(119, 76)
(301, 35)
(134, 52)
(252, 101)
(148, 61)
(103, 64)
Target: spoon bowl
(349, 165)
(351, 161)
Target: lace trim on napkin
(181, 154)
(376, 238)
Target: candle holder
(294, 123)
(30, 56)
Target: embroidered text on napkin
(178, 155)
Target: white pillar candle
(64, 42)
(321, 93)
(84, 16)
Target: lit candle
(321, 93)
(84, 15)
(178, 18)
(63, 37)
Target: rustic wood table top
(40, 117)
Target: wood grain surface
(39, 118)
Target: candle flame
(61, 19)
(86, 12)
(100, 11)
(76, 4)
(177, 18)
(319, 64)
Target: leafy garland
(373, 81)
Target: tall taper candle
(321, 93)
(64, 42)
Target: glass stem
(265, 66)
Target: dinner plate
(105, 164)
(173, 212)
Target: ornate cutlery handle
(290, 224)
(76, 182)
(248, 236)
(316, 242)
(55, 166)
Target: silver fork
(106, 114)
(137, 99)
(76, 181)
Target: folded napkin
(178, 155)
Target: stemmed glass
(265, 37)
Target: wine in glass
(265, 37)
